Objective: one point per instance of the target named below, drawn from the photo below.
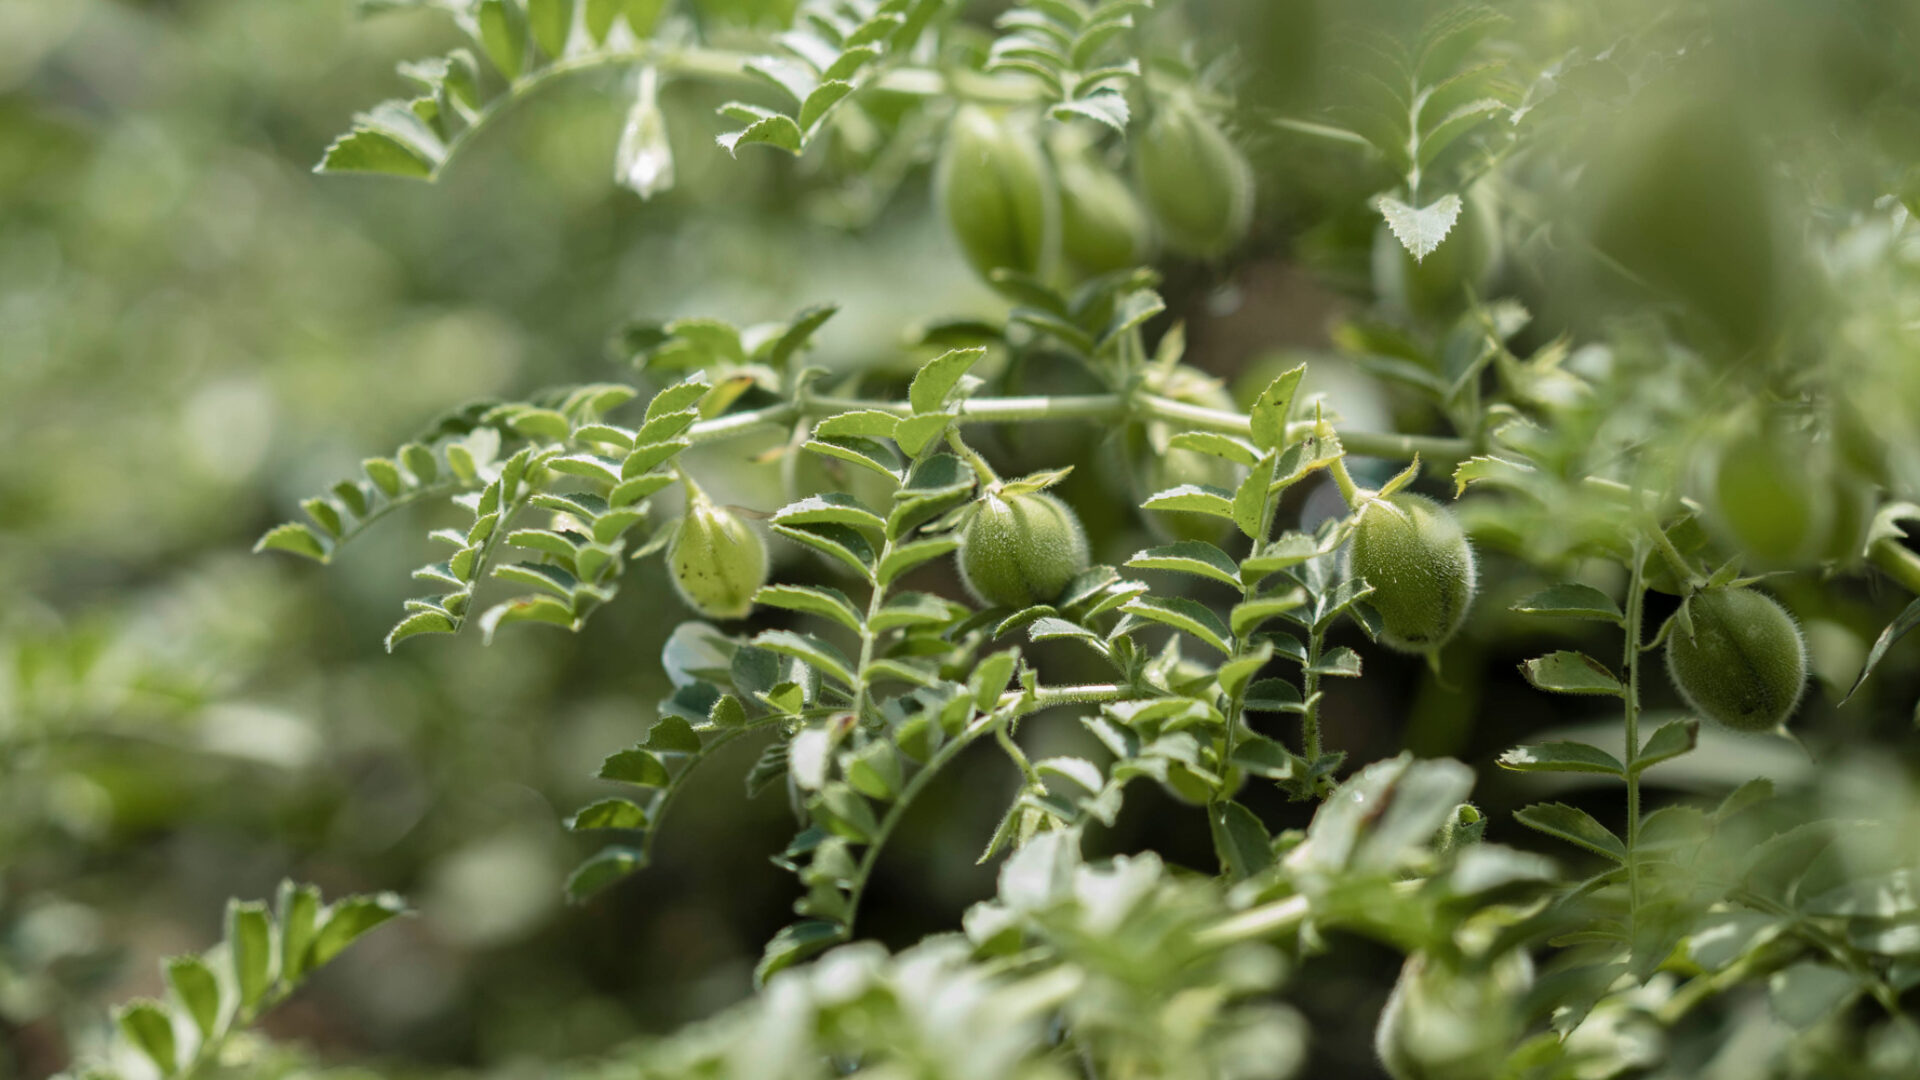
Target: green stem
(867, 638)
(1043, 698)
(1236, 706)
(727, 66)
(1094, 408)
(1310, 696)
(981, 469)
(1636, 607)
(1677, 562)
(1343, 479)
(1898, 562)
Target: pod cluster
(1013, 204)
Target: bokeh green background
(196, 331)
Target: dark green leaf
(1572, 601)
(1241, 838)
(1570, 757)
(1567, 672)
(1575, 826)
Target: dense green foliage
(1057, 413)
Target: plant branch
(1004, 710)
(1094, 408)
(1897, 561)
(1636, 608)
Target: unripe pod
(717, 561)
(994, 190)
(1195, 181)
(1021, 550)
(1103, 227)
(1771, 498)
(1416, 557)
(1746, 663)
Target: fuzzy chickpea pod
(1418, 560)
(1021, 550)
(1745, 665)
(717, 562)
(1196, 182)
(993, 187)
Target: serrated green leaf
(1249, 615)
(866, 424)
(1575, 826)
(835, 541)
(905, 557)
(298, 912)
(1217, 445)
(1420, 229)
(812, 651)
(1268, 416)
(1670, 741)
(866, 453)
(796, 943)
(250, 950)
(1193, 499)
(989, 678)
(934, 383)
(636, 766)
(1242, 840)
(296, 538)
(1570, 757)
(149, 1028)
(348, 919)
(1272, 695)
(1571, 600)
(365, 150)
(551, 21)
(833, 508)
(198, 991)
(1196, 557)
(1233, 674)
(503, 35)
(536, 609)
(1568, 672)
(614, 813)
(1185, 615)
(827, 603)
(606, 867)
(764, 126)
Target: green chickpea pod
(994, 189)
(1745, 665)
(716, 560)
(1418, 560)
(1021, 550)
(1103, 227)
(1196, 182)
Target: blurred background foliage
(195, 331)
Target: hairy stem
(1003, 711)
(1093, 408)
(1636, 608)
(1310, 696)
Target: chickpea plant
(1070, 148)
